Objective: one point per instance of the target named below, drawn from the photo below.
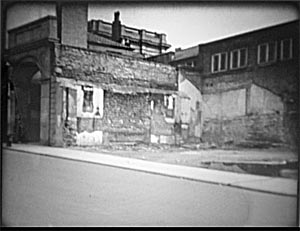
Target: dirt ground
(279, 162)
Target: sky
(185, 24)
(188, 25)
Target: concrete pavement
(273, 185)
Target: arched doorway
(26, 79)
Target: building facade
(260, 69)
(249, 85)
(146, 43)
(65, 93)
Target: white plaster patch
(89, 138)
(154, 139)
(163, 139)
(170, 120)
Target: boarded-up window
(169, 103)
(87, 99)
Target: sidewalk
(266, 184)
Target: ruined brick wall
(126, 118)
(101, 67)
(245, 130)
(250, 115)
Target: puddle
(285, 170)
(274, 170)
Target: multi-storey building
(249, 84)
(146, 43)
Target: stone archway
(27, 84)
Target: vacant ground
(271, 162)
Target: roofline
(165, 53)
(128, 27)
(31, 23)
(249, 32)
(107, 45)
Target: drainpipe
(9, 120)
(10, 106)
(49, 118)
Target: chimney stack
(116, 28)
(72, 23)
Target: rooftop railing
(105, 28)
(186, 53)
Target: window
(169, 103)
(267, 52)
(286, 48)
(190, 64)
(219, 62)
(238, 58)
(243, 57)
(87, 99)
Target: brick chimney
(72, 23)
(116, 28)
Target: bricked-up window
(87, 99)
(238, 58)
(286, 49)
(219, 62)
(267, 52)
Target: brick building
(249, 85)
(67, 93)
(143, 42)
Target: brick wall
(74, 24)
(100, 67)
(251, 130)
(125, 118)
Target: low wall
(248, 129)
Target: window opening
(286, 49)
(267, 52)
(219, 62)
(87, 99)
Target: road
(46, 191)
